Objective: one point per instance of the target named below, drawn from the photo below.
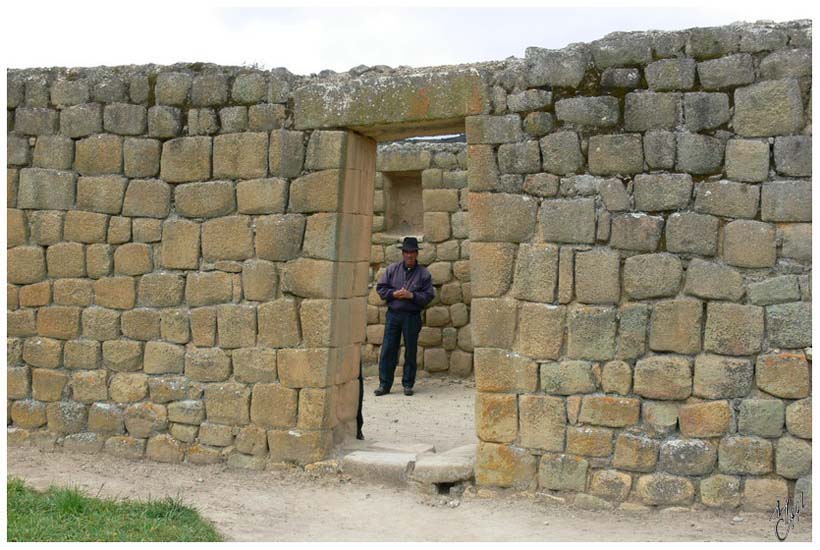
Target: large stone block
(597, 277)
(636, 232)
(180, 244)
(659, 148)
(287, 153)
(240, 156)
(784, 375)
(792, 155)
(491, 268)
(726, 72)
(652, 276)
(543, 422)
(692, 233)
(615, 154)
(501, 217)
(706, 419)
(498, 370)
(273, 406)
(236, 325)
(371, 101)
(186, 159)
(279, 237)
(727, 198)
(786, 201)
(705, 111)
(614, 412)
(748, 243)
(562, 472)
(227, 238)
(720, 491)
(252, 365)
(493, 322)
(671, 74)
(261, 196)
(759, 493)
(55, 152)
(666, 377)
(699, 154)
(675, 326)
(35, 121)
(761, 417)
(747, 160)
(81, 120)
(485, 129)
(205, 199)
(559, 68)
(649, 110)
(789, 325)
(568, 377)
(798, 418)
(519, 158)
(536, 272)
(589, 441)
(745, 455)
(26, 265)
(718, 377)
(65, 417)
(664, 489)
(733, 329)
(496, 417)
(164, 122)
(228, 403)
(540, 330)
(101, 194)
(564, 220)
(658, 192)
(796, 241)
(561, 153)
(768, 108)
(124, 119)
(775, 290)
(598, 111)
(591, 332)
(278, 323)
(160, 290)
(43, 189)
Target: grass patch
(61, 514)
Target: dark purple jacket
(417, 280)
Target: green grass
(61, 514)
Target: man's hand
(403, 294)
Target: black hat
(409, 244)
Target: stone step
(443, 468)
(379, 466)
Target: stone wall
(639, 277)
(438, 170)
(640, 229)
(178, 265)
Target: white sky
(310, 39)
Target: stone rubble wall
(178, 264)
(445, 340)
(639, 260)
(640, 248)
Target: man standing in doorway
(407, 287)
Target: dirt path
(297, 506)
(442, 413)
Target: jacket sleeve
(423, 295)
(383, 287)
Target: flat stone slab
(379, 467)
(464, 450)
(443, 468)
(414, 448)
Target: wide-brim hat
(409, 244)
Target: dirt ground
(294, 505)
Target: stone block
(228, 403)
(636, 232)
(253, 365)
(615, 154)
(164, 122)
(658, 192)
(493, 129)
(589, 441)
(28, 414)
(69, 92)
(614, 194)
(73, 292)
(768, 108)
(528, 100)
(286, 154)
(705, 111)
(125, 447)
(35, 121)
(733, 329)
(727, 198)
(691, 233)
(798, 418)
(501, 217)
(85, 227)
(635, 453)
(236, 325)
(186, 159)
(597, 111)
(792, 155)
(145, 419)
(160, 290)
(128, 387)
(273, 405)
(748, 243)
(99, 154)
(278, 323)
(610, 411)
(720, 491)
(597, 277)
(61, 322)
(47, 384)
(205, 199)
(498, 370)
(164, 448)
(561, 153)
(726, 72)
(209, 90)
(543, 422)
(562, 472)
(650, 110)
(671, 74)
(279, 237)
(88, 386)
(745, 455)
(652, 276)
(519, 158)
(34, 295)
(100, 324)
(747, 160)
(141, 157)
(718, 377)
(81, 120)
(496, 417)
(317, 192)
(115, 292)
(627, 79)
(536, 272)
(133, 259)
(675, 326)
(172, 88)
(665, 377)
(65, 417)
(706, 419)
(55, 152)
(180, 244)
(699, 154)
(591, 332)
(659, 148)
(227, 238)
(105, 418)
(101, 194)
(124, 119)
(664, 489)
(761, 417)
(774, 291)
(492, 268)
(557, 68)
(759, 493)
(261, 196)
(796, 241)
(240, 156)
(610, 484)
(786, 201)
(26, 265)
(43, 189)
(149, 198)
(784, 375)
(42, 352)
(564, 220)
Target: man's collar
(404, 265)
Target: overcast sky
(308, 40)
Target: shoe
(408, 391)
(381, 391)
(359, 435)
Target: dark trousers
(398, 324)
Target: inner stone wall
(445, 344)
(640, 248)
(639, 260)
